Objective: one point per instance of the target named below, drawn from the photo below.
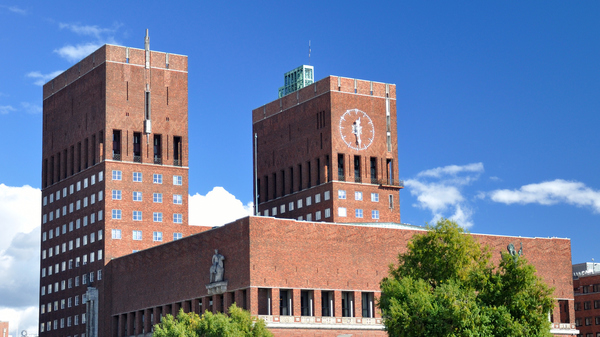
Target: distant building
(586, 286)
(4, 329)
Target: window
(586, 289)
(92, 237)
(391, 197)
(341, 194)
(274, 211)
(116, 175)
(577, 306)
(596, 304)
(309, 217)
(587, 305)
(157, 178)
(177, 218)
(177, 180)
(99, 277)
(100, 176)
(357, 195)
(85, 221)
(116, 233)
(100, 254)
(137, 196)
(299, 203)
(116, 214)
(375, 214)
(317, 198)
(375, 197)
(137, 177)
(281, 208)
(99, 235)
(93, 179)
(341, 211)
(157, 236)
(157, 216)
(99, 215)
(291, 206)
(157, 197)
(308, 201)
(116, 194)
(318, 215)
(177, 199)
(137, 215)
(326, 195)
(137, 235)
(597, 320)
(85, 183)
(177, 236)
(588, 321)
(358, 213)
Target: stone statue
(513, 252)
(217, 269)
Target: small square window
(137, 177)
(177, 236)
(157, 217)
(375, 197)
(137, 196)
(157, 178)
(116, 233)
(341, 194)
(274, 211)
(137, 215)
(116, 195)
(157, 197)
(177, 218)
(358, 213)
(342, 211)
(358, 195)
(116, 175)
(116, 214)
(374, 214)
(137, 235)
(177, 180)
(157, 236)
(177, 199)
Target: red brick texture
(587, 304)
(265, 255)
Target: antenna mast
(308, 52)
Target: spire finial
(147, 41)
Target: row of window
(77, 242)
(358, 195)
(586, 289)
(587, 305)
(72, 263)
(57, 194)
(72, 207)
(70, 283)
(156, 197)
(156, 177)
(137, 235)
(72, 224)
(117, 214)
(588, 321)
(48, 326)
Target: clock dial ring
(357, 129)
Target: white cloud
(4, 109)
(78, 52)
(218, 207)
(15, 9)
(550, 193)
(40, 78)
(20, 212)
(101, 36)
(31, 108)
(439, 190)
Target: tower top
(297, 79)
(147, 41)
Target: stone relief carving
(513, 252)
(217, 268)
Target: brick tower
(328, 152)
(114, 176)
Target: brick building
(117, 252)
(4, 329)
(328, 152)
(114, 175)
(586, 286)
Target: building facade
(586, 287)
(114, 175)
(4, 329)
(328, 152)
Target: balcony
(158, 160)
(357, 179)
(117, 156)
(137, 159)
(341, 177)
(388, 182)
(177, 162)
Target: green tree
(239, 323)
(445, 285)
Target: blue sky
(498, 105)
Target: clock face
(357, 129)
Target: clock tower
(328, 152)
